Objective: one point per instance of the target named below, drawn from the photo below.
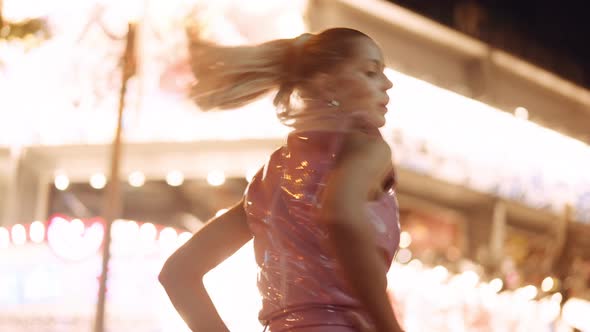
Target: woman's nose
(388, 84)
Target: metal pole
(12, 203)
(560, 259)
(42, 203)
(1, 16)
(498, 233)
(112, 200)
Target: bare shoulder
(363, 162)
(362, 166)
(361, 150)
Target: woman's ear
(323, 84)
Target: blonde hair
(231, 77)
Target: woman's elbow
(176, 273)
(167, 273)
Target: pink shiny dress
(301, 284)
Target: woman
(322, 211)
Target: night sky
(561, 30)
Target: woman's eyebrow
(378, 63)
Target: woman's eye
(371, 73)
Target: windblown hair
(231, 77)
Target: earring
(334, 103)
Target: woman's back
(298, 271)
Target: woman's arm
(363, 166)
(182, 274)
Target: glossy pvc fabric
(301, 284)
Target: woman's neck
(335, 124)
(322, 125)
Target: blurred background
(489, 124)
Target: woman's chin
(370, 121)
(369, 127)
(378, 121)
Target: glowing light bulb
(37, 232)
(19, 234)
(98, 181)
(147, 232)
(136, 179)
(168, 237)
(175, 178)
(147, 242)
(132, 229)
(496, 285)
(548, 284)
(216, 178)
(440, 273)
(529, 292)
(71, 240)
(61, 181)
(405, 240)
(403, 256)
(521, 113)
(575, 313)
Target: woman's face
(360, 86)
